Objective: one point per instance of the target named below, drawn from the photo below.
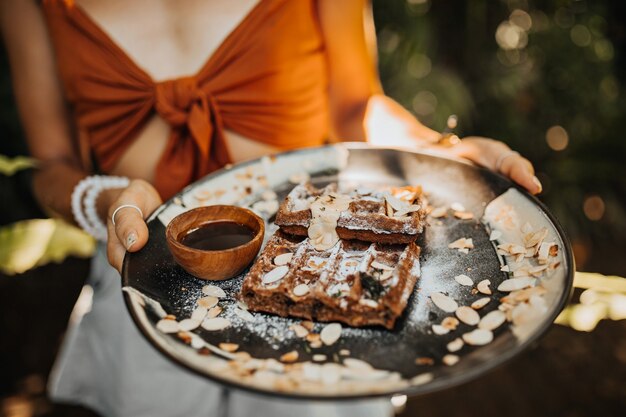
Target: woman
(98, 91)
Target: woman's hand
(498, 157)
(130, 232)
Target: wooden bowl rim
(259, 235)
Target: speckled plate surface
(154, 285)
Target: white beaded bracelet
(91, 187)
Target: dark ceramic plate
(155, 285)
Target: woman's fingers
(498, 157)
(521, 170)
(130, 232)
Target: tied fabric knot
(182, 104)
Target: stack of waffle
(348, 257)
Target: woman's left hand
(497, 156)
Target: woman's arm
(361, 111)
(43, 114)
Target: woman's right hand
(130, 232)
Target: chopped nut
(290, 357)
(229, 347)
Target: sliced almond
(450, 359)
(439, 330)
(439, 212)
(456, 206)
(444, 302)
(464, 280)
(424, 360)
(199, 313)
(478, 337)
(534, 238)
(244, 314)
(214, 291)
(167, 326)
(208, 301)
(462, 243)
(483, 287)
(301, 290)
(217, 323)
(467, 315)
(313, 337)
(388, 209)
(318, 357)
(357, 364)
(169, 317)
(290, 357)
(422, 379)
(316, 344)
(344, 352)
(463, 215)
(189, 324)
(283, 259)
(330, 333)
(229, 347)
(307, 324)
(455, 345)
(214, 312)
(492, 320)
(382, 266)
(299, 330)
(275, 274)
(450, 323)
(514, 284)
(480, 303)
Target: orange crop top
(267, 81)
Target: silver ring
(502, 157)
(122, 207)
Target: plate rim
(411, 390)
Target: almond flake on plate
(344, 352)
(290, 356)
(463, 215)
(214, 312)
(478, 337)
(514, 284)
(283, 259)
(422, 379)
(444, 302)
(439, 330)
(199, 313)
(455, 345)
(456, 206)
(208, 301)
(217, 323)
(450, 323)
(450, 359)
(492, 320)
(299, 330)
(214, 291)
(189, 324)
(318, 357)
(381, 266)
(229, 347)
(330, 333)
(244, 314)
(301, 290)
(463, 244)
(483, 287)
(464, 280)
(467, 315)
(480, 303)
(439, 212)
(275, 274)
(167, 326)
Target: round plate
(410, 359)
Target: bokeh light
(580, 35)
(424, 103)
(419, 66)
(594, 207)
(557, 138)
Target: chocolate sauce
(218, 235)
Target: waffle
(355, 282)
(370, 216)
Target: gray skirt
(107, 365)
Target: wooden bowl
(214, 264)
